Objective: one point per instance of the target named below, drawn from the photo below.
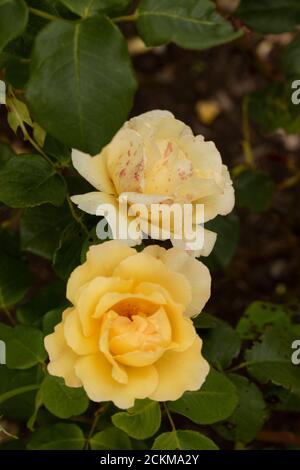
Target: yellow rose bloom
(128, 334)
(155, 158)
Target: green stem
(97, 416)
(25, 132)
(126, 18)
(243, 365)
(172, 425)
(18, 391)
(43, 14)
(73, 212)
(170, 417)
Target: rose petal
(95, 372)
(94, 170)
(180, 372)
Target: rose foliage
(104, 344)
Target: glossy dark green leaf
(51, 319)
(25, 348)
(215, 401)
(41, 227)
(17, 392)
(87, 8)
(62, 401)
(270, 16)
(259, 315)
(205, 321)
(57, 437)
(193, 24)
(141, 421)
(254, 190)
(67, 254)
(29, 180)
(249, 415)
(50, 296)
(13, 19)
(270, 359)
(57, 150)
(81, 93)
(221, 345)
(110, 439)
(5, 331)
(284, 400)
(17, 72)
(15, 279)
(183, 440)
(5, 154)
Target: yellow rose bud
(155, 158)
(128, 334)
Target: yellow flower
(128, 334)
(155, 158)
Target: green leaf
(290, 59)
(110, 439)
(249, 415)
(78, 185)
(141, 421)
(284, 399)
(57, 437)
(270, 359)
(17, 113)
(15, 280)
(221, 345)
(13, 19)
(81, 93)
(90, 239)
(50, 296)
(17, 392)
(205, 321)
(5, 332)
(272, 109)
(51, 319)
(62, 401)
(227, 229)
(57, 150)
(87, 8)
(67, 254)
(270, 16)
(39, 134)
(214, 402)
(25, 348)
(41, 227)
(5, 154)
(28, 180)
(254, 190)
(258, 316)
(183, 440)
(16, 71)
(193, 24)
